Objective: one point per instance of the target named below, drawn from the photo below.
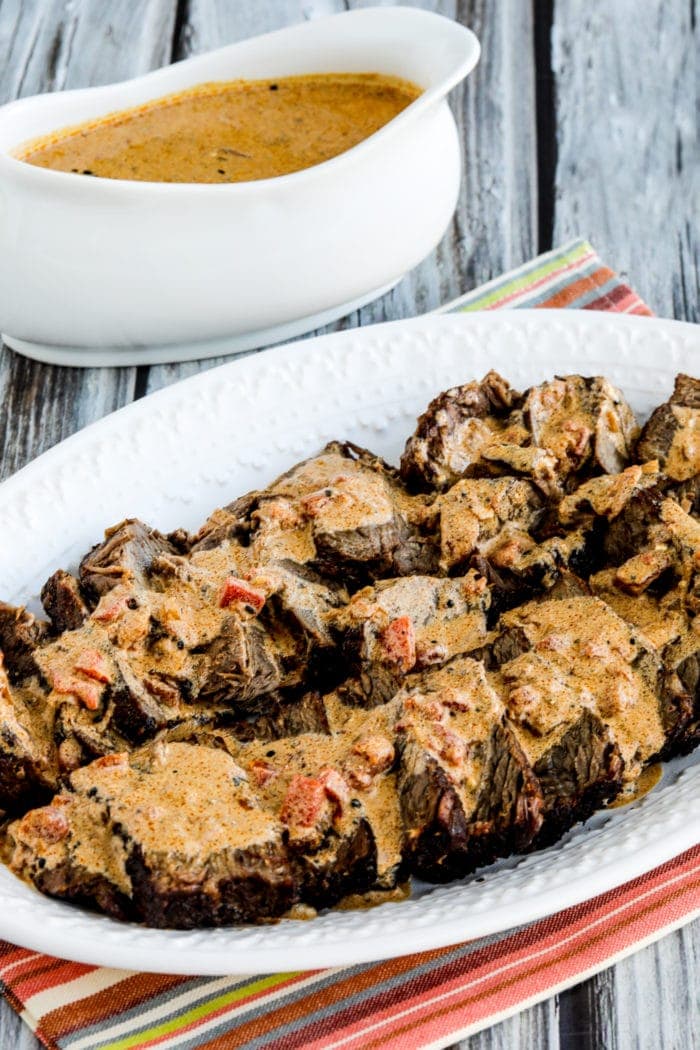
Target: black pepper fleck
(270, 754)
(132, 603)
(355, 803)
(274, 87)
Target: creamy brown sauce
(474, 513)
(373, 898)
(647, 780)
(237, 131)
(192, 801)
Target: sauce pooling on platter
(234, 131)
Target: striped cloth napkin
(420, 1001)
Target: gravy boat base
(168, 353)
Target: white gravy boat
(99, 271)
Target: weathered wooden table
(582, 118)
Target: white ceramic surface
(101, 264)
(172, 457)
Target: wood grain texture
(533, 1029)
(627, 78)
(14, 1033)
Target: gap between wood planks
(546, 121)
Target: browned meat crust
(20, 635)
(63, 602)
(670, 435)
(125, 555)
(577, 776)
(453, 432)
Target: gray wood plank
(14, 1033)
(628, 171)
(49, 46)
(658, 985)
(628, 177)
(533, 1029)
(647, 1001)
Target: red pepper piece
(92, 663)
(236, 590)
(89, 693)
(398, 640)
(304, 802)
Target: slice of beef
(671, 435)
(524, 461)
(628, 533)
(300, 593)
(456, 428)
(28, 758)
(141, 705)
(68, 849)
(586, 691)
(243, 663)
(688, 495)
(363, 525)
(63, 602)
(81, 736)
(229, 523)
(344, 513)
(288, 712)
(584, 421)
(686, 391)
(467, 792)
(336, 794)
(345, 863)
(125, 555)
(607, 496)
(399, 626)
(175, 839)
(302, 781)
(21, 634)
(668, 539)
(524, 567)
(486, 517)
(577, 775)
(657, 590)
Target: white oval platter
(172, 457)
